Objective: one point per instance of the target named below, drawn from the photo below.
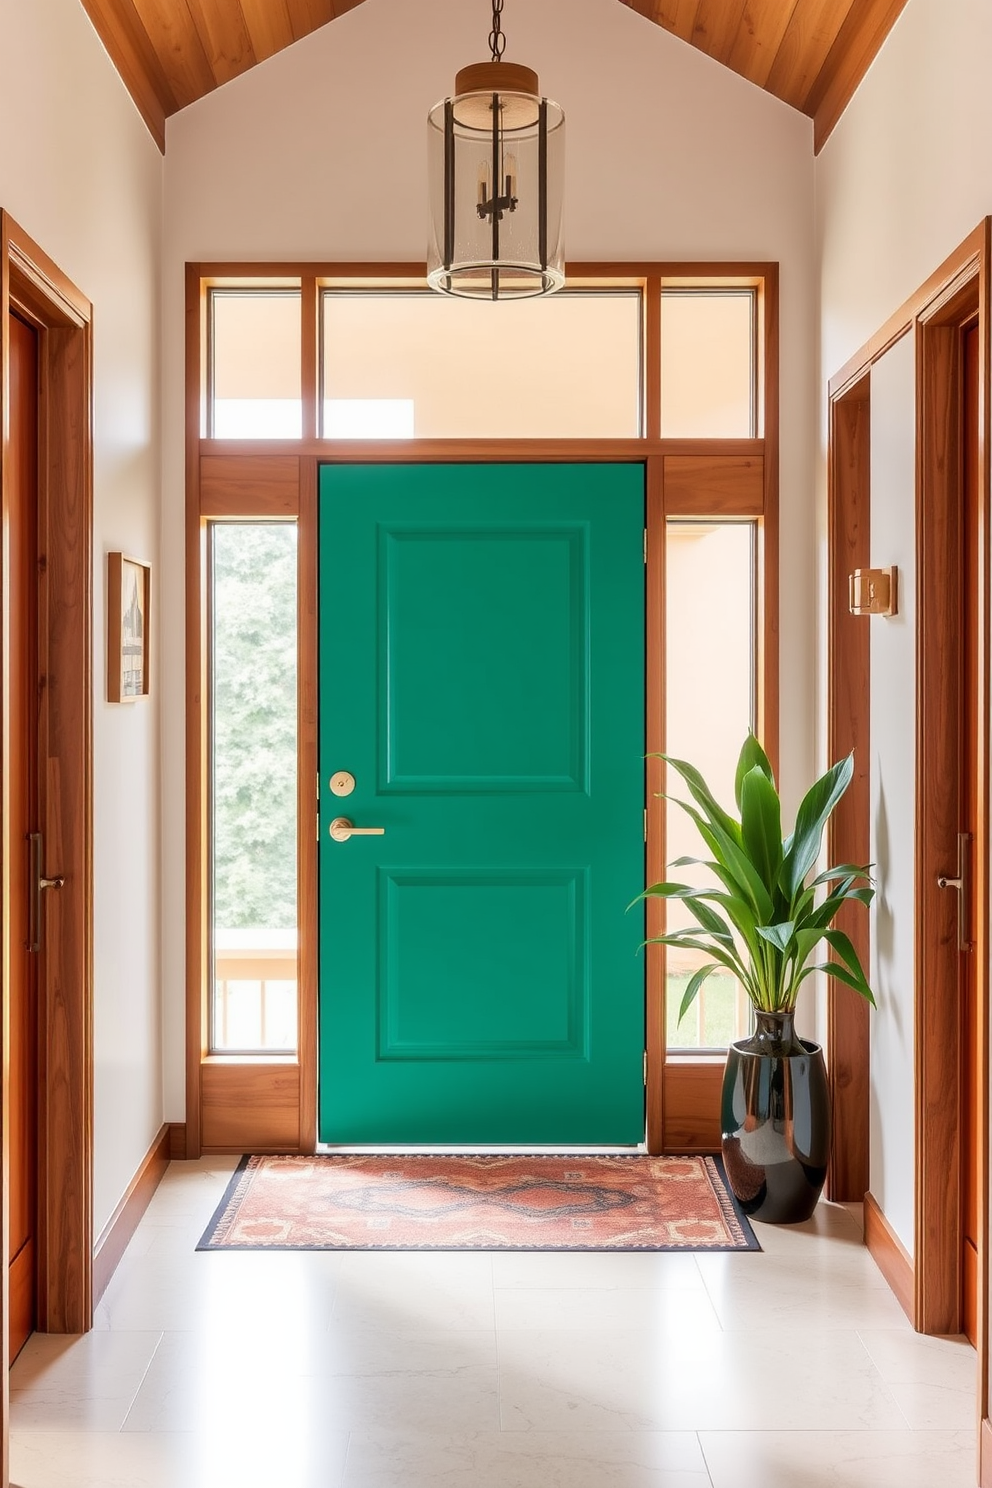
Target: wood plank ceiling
(810, 53)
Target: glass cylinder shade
(496, 166)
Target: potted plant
(764, 920)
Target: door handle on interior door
(341, 829)
(963, 886)
(38, 883)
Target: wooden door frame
(848, 677)
(940, 547)
(32, 284)
(928, 1284)
(269, 1104)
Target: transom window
(399, 362)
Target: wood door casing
(33, 286)
(969, 990)
(930, 1280)
(951, 789)
(848, 731)
(23, 765)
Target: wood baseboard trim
(891, 1257)
(113, 1240)
(177, 1141)
(985, 1455)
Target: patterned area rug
(478, 1203)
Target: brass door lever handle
(341, 829)
(38, 884)
(962, 884)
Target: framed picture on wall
(128, 616)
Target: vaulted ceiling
(810, 53)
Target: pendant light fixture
(496, 158)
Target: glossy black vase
(776, 1122)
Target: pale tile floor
(791, 1369)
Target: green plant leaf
(806, 942)
(824, 914)
(843, 870)
(839, 942)
(695, 982)
(803, 905)
(841, 974)
(778, 935)
(739, 911)
(814, 809)
(726, 958)
(733, 865)
(763, 921)
(705, 798)
(664, 891)
(692, 936)
(695, 901)
(761, 825)
(751, 756)
(710, 920)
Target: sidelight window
(253, 779)
(710, 662)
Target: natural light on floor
(311, 1369)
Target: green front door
(482, 681)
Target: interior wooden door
(22, 519)
(970, 1053)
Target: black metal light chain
(497, 41)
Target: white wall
(893, 785)
(907, 173)
(82, 176)
(904, 178)
(320, 154)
